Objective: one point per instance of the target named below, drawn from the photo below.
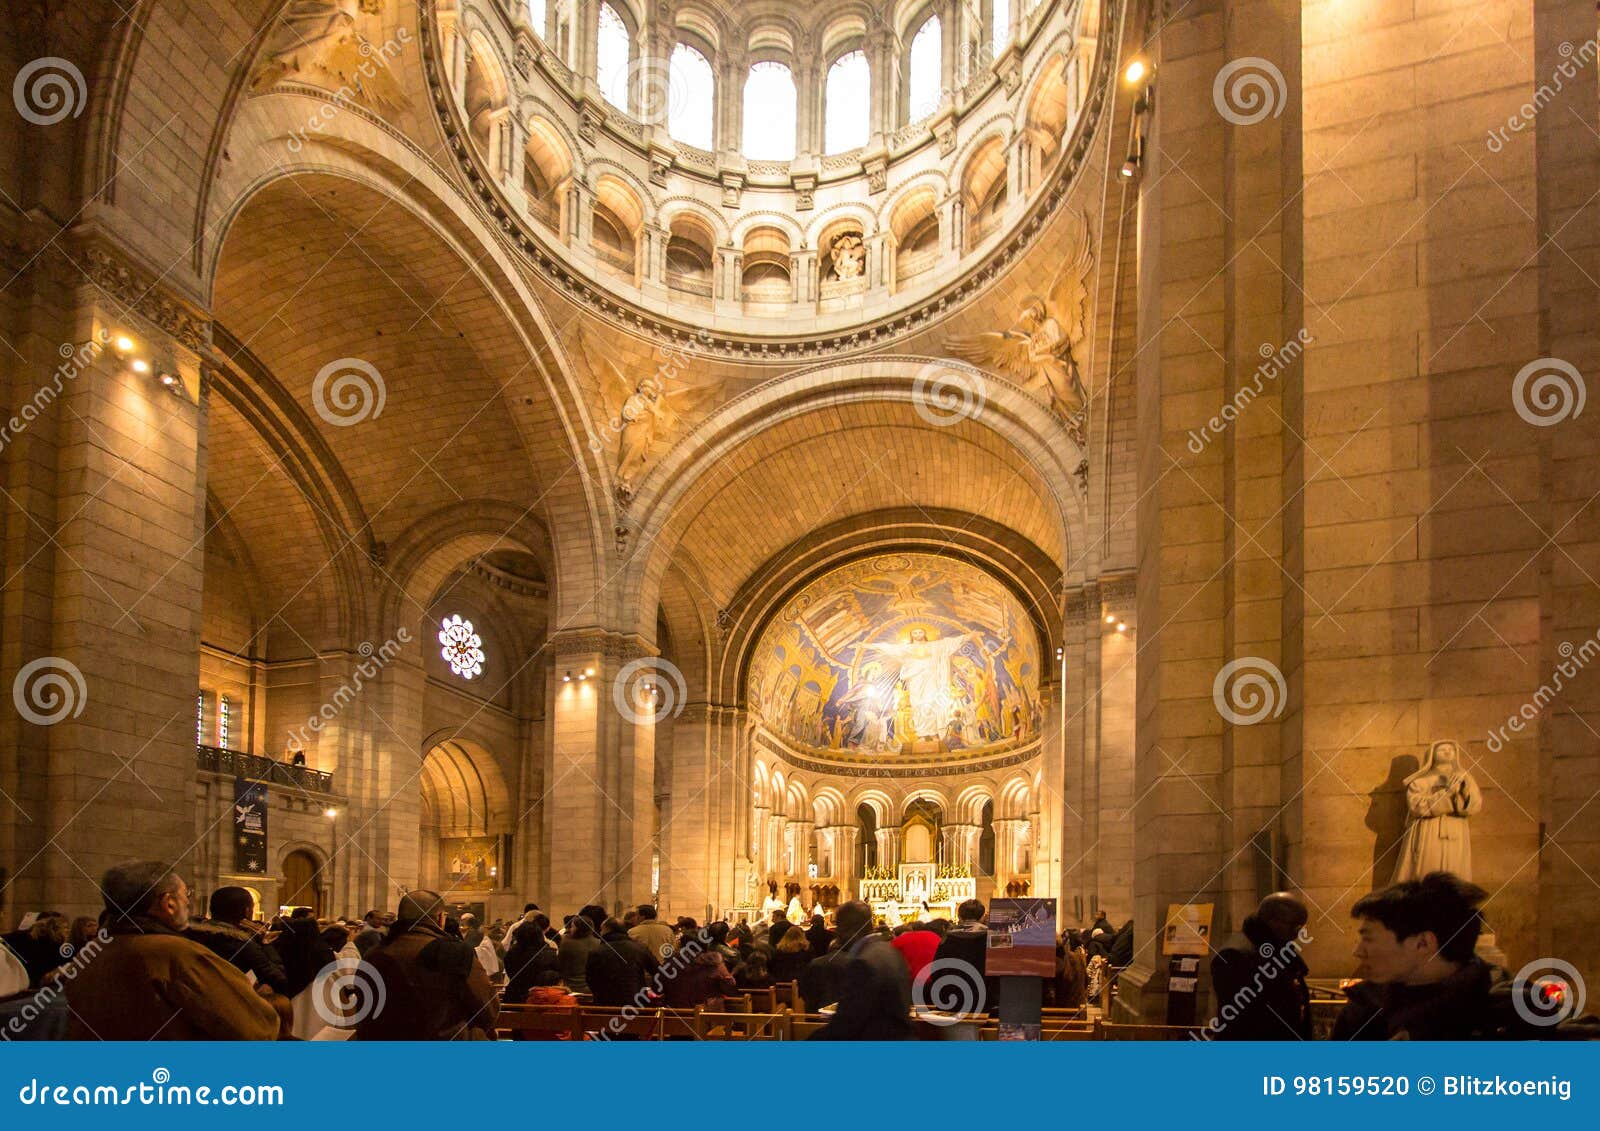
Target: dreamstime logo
(346, 993)
(1277, 362)
(662, 96)
(1573, 660)
(951, 986)
(1250, 90)
(651, 688)
(48, 90)
(1547, 991)
(1275, 959)
(1257, 692)
(348, 391)
(48, 690)
(1548, 391)
(1573, 60)
(373, 661)
(945, 395)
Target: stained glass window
(461, 647)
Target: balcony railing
(216, 760)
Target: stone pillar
(888, 848)
(104, 531)
(586, 30)
(957, 844)
(758, 842)
(949, 47)
(808, 103)
(601, 766)
(732, 68)
(881, 49)
(846, 851)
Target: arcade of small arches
(763, 164)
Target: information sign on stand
(1022, 952)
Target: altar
(915, 892)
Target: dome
(769, 171)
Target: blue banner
(1299, 1085)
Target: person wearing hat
(433, 986)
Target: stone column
(808, 132)
(846, 850)
(104, 532)
(955, 841)
(601, 765)
(888, 848)
(880, 48)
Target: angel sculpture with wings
(1040, 354)
(320, 38)
(640, 412)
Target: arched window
(536, 16)
(927, 65)
(691, 97)
(848, 96)
(1001, 23)
(769, 100)
(612, 53)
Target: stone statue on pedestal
(1440, 797)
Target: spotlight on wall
(1130, 167)
(1111, 618)
(330, 813)
(1121, 626)
(1137, 70)
(140, 365)
(123, 343)
(567, 678)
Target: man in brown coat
(150, 983)
(431, 986)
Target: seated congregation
(149, 969)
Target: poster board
(249, 827)
(1188, 929)
(1022, 938)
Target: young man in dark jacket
(1422, 979)
(620, 969)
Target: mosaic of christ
(898, 650)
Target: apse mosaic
(902, 653)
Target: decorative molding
(140, 292)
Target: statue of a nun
(1440, 797)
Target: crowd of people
(150, 969)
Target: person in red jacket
(916, 944)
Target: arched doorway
(302, 881)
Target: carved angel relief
(642, 410)
(320, 42)
(1041, 352)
